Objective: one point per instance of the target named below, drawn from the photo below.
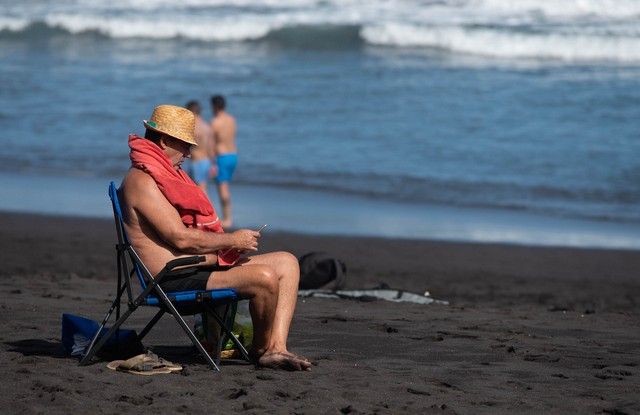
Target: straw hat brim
(149, 126)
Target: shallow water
(327, 213)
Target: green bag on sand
(242, 326)
(207, 329)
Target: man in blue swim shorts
(224, 132)
(226, 166)
(201, 154)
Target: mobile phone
(261, 228)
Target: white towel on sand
(370, 295)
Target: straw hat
(174, 121)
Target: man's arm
(149, 203)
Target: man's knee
(288, 263)
(267, 278)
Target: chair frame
(153, 295)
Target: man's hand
(245, 240)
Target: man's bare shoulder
(202, 123)
(136, 178)
(221, 120)
(230, 119)
(138, 184)
(202, 126)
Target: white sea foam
(163, 28)
(154, 4)
(559, 8)
(508, 45)
(571, 30)
(13, 24)
(549, 8)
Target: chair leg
(163, 297)
(94, 349)
(195, 341)
(150, 324)
(229, 333)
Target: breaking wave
(509, 44)
(572, 30)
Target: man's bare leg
(258, 283)
(286, 269)
(225, 198)
(271, 282)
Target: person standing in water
(203, 153)
(223, 125)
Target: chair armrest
(179, 262)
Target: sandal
(145, 364)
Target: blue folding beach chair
(175, 303)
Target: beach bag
(77, 333)
(207, 330)
(242, 327)
(321, 270)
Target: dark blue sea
(443, 112)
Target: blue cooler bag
(77, 333)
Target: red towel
(193, 205)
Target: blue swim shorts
(226, 167)
(199, 170)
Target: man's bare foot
(296, 356)
(256, 354)
(284, 361)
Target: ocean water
(528, 107)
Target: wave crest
(508, 44)
(609, 42)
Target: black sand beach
(528, 330)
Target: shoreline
(441, 267)
(528, 330)
(314, 212)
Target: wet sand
(528, 330)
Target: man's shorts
(226, 167)
(199, 170)
(187, 280)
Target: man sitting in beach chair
(167, 216)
